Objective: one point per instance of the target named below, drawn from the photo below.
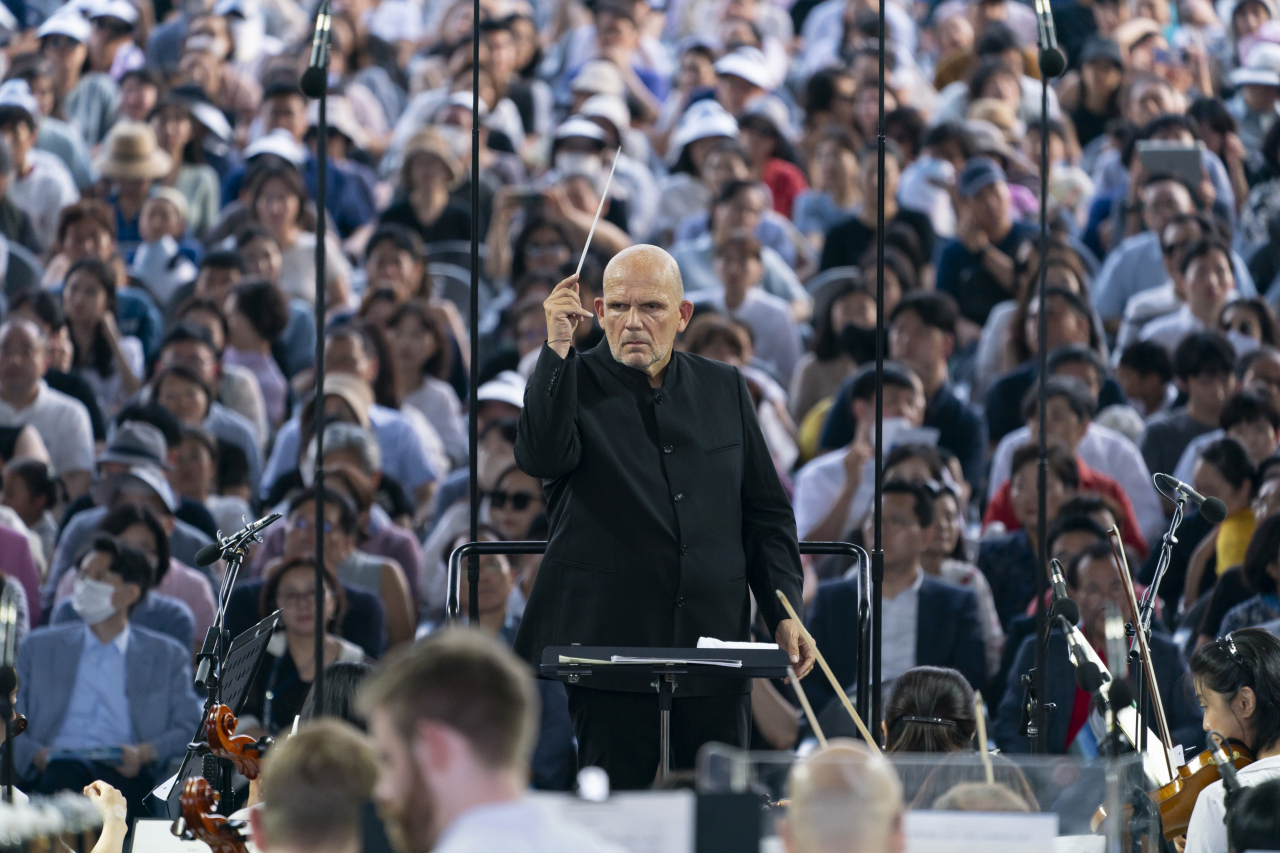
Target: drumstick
(831, 676)
(808, 711)
(604, 195)
(982, 738)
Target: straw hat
(131, 153)
(431, 142)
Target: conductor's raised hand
(792, 641)
(564, 312)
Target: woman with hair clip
(1237, 680)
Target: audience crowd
(158, 230)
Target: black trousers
(618, 731)
(68, 775)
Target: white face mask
(580, 163)
(1242, 342)
(92, 600)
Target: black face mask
(859, 343)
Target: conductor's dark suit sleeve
(768, 524)
(547, 440)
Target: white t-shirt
(1207, 833)
(43, 193)
(519, 826)
(63, 424)
(774, 333)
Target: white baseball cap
(1261, 67)
(506, 387)
(747, 63)
(67, 23)
(120, 9)
(279, 142)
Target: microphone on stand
(1052, 60)
(316, 78)
(212, 552)
(1226, 769)
(1088, 675)
(1211, 508)
(1060, 604)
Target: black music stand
(237, 673)
(657, 671)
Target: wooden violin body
(1178, 798)
(241, 750)
(200, 823)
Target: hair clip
(932, 721)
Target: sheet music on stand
(243, 658)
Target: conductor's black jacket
(663, 506)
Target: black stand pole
(877, 548)
(316, 85)
(473, 403)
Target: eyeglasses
(296, 599)
(519, 500)
(303, 524)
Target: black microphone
(316, 78)
(1226, 769)
(1213, 510)
(1052, 60)
(214, 550)
(1058, 580)
(1060, 604)
(1088, 676)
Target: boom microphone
(213, 551)
(1052, 60)
(1088, 676)
(316, 78)
(1212, 509)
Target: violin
(199, 821)
(1178, 798)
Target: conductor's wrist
(560, 346)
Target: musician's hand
(1180, 843)
(564, 311)
(41, 759)
(790, 639)
(109, 802)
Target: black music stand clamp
(657, 669)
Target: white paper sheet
(639, 822)
(980, 832)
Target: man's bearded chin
(410, 823)
(639, 359)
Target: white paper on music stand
(155, 835)
(1080, 844)
(979, 832)
(713, 643)
(639, 822)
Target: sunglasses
(519, 500)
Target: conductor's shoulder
(708, 369)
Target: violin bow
(982, 737)
(808, 709)
(1144, 651)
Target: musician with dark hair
(1237, 680)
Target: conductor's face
(643, 308)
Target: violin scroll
(243, 751)
(200, 823)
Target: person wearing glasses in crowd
(516, 500)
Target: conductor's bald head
(844, 799)
(643, 308)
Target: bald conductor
(664, 511)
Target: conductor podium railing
(862, 685)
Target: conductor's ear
(686, 314)
(599, 306)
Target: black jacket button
(684, 549)
(679, 496)
(668, 449)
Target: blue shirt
(403, 455)
(98, 714)
(347, 198)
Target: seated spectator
(1009, 561)
(843, 315)
(1224, 472)
(15, 224)
(1145, 375)
(133, 471)
(279, 205)
(1109, 463)
(139, 526)
(353, 567)
(283, 679)
(1202, 366)
(740, 268)
(41, 185)
(257, 315)
(514, 503)
(220, 270)
(175, 129)
(422, 357)
(818, 211)
(1094, 582)
(45, 310)
(944, 558)
(1249, 418)
(239, 412)
(834, 492)
(31, 490)
(429, 172)
(1181, 232)
(162, 260)
(947, 630)
(195, 477)
(26, 399)
(1210, 284)
(922, 336)
(1249, 323)
(112, 363)
(850, 239)
(54, 135)
(72, 687)
(130, 160)
(1261, 568)
(977, 267)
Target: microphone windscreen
(1120, 694)
(208, 555)
(1052, 62)
(1088, 677)
(1067, 608)
(314, 81)
(1213, 510)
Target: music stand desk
(659, 672)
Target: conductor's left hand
(789, 638)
